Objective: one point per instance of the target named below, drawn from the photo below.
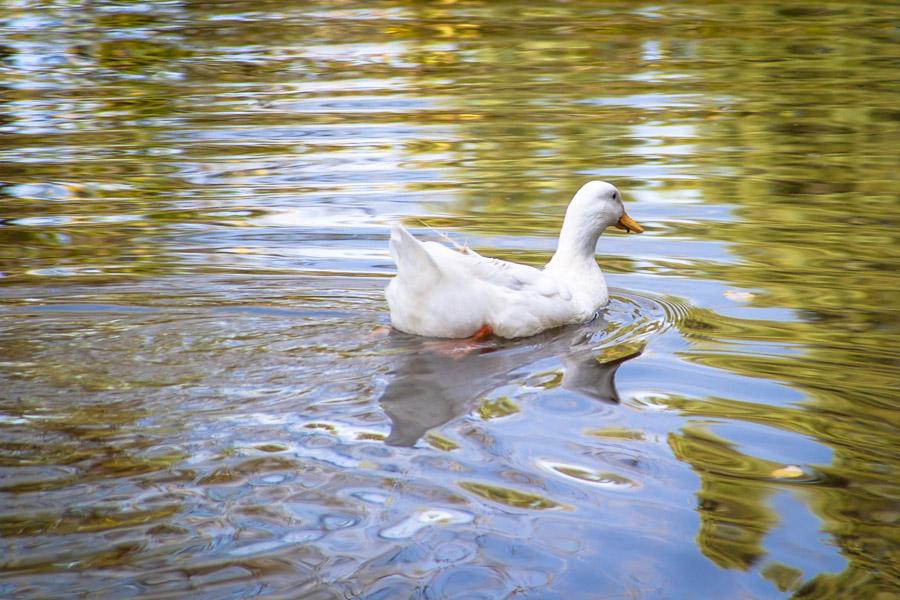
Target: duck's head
(599, 204)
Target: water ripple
(200, 394)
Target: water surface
(198, 393)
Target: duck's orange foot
(482, 334)
(464, 347)
(378, 333)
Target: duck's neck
(575, 265)
(576, 248)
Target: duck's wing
(429, 261)
(524, 300)
(515, 277)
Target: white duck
(453, 293)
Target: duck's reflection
(436, 381)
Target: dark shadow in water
(437, 381)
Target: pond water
(198, 392)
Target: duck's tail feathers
(411, 256)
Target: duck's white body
(450, 293)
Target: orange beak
(629, 224)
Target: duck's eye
(615, 195)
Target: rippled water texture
(198, 393)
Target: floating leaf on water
(440, 442)
(370, 435)
(509, 496)
(790, 471)
(494, 409)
